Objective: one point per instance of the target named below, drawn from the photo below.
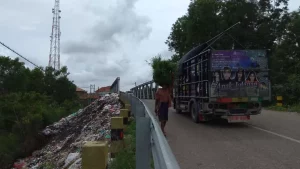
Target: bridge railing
(145, 91)
(149, 138)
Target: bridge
(269, 140)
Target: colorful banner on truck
(239, 73)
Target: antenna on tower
(54, 56)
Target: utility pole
(92, 91)
(92, 88)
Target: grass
(125, 159)
(293, 108)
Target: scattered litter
(67, 136)
(71, 157)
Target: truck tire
(195, 113)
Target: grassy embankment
(125, 159)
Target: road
(270, 140)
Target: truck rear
(228, 84)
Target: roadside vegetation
(125, 159)
(29, 101)
(293, 108)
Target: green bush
(22, 116)
(163, 70)
(293, 108)
(29, 101)
(9, 148)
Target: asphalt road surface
(270, 140)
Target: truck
(229, 84)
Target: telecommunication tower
(54, 56)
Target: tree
(36, 81)
(163, 71)
(29, 101)
(261, 23)
(285, 63)
(13, 75)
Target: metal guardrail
(149, 138)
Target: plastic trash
(107, 136)
(19, 165)
(70, 158)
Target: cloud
(104, 51)
(120, 24)
(27, 28)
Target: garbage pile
(68, 135)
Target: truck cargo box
(219, 75)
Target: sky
(100, 40)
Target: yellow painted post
(117, 135)
(279, 100)
(128, 107)
(117, 123)
(95, 155)
(124, 113)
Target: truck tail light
(121, 135)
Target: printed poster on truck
(239, 73)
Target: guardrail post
(139, 92)
(117, 134)
(151, 90)
(143, 144)
(279, 100)
(94, 155)
(125, 114)
(144, 92)
(147, 88)
(128, 107)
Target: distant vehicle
(228, 84)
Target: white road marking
(276, 134)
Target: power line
(21, 56)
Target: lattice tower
(54, 56)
